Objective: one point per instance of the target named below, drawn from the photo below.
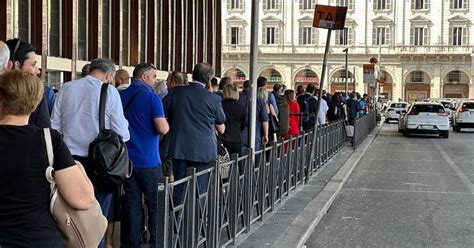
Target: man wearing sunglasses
(23, 58)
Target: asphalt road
(405, 192)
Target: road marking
(403, 150)
(403, 160)
(456, 168)
(410, 191)
(410, 172)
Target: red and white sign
(329, 17)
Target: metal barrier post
(272, 177)
(261, 184)
(248, 197)
(233, 194)
(213, 205)
(162, 213)
(190, 209)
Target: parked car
(448, 106)
(425, 118)
(463, 116)
(394, 110)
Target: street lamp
(347, 71)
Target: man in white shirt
(76, 115)
(323, 110)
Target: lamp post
(347, 72)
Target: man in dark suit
(194, 114)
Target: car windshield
(446, 104)
(428, 108)
(468, 105)
(398, 105)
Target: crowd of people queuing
(167, 128)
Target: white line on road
(410, 172)
(403, 160)
(410, 191)
(456, 168)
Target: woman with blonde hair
(24, 190)
(263, 93)
(234, 112)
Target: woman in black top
(25, 219)
(234, 113)
(336, 110)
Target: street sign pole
(253, 75)
(347, 73)
(330, 18)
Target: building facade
(173, 35)
(426, 47)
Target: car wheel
(400, 130)
(406, 133)
(387, 120)
(456, 129)
(445, 134)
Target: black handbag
(108, 154)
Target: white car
(393, 112)
(463, 117)
(425, 118)
(448, 105)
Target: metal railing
(230, 206)
(363, 126)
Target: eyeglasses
(15, 50)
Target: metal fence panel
(229, 206)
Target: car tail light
(443, 114)
(463, 110)
(413, 113)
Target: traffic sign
(329, 17)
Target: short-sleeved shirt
(262, 116)
(144, 138)
(24, 190)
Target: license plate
(426, 127)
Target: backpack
(304, 110)
(108, 154)
(283, 117)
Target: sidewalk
(292, 224)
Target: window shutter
(277, 35)
(375, 4)
(313, 36)
(241, 36)
(337, 37)
(464, 4)
(264, 35)
(412, 36)
(389, 2)
(228, 4)
(387, 36)
(465, 37)
(350, 4)
(350, 40)
(301, 36)
(374, 36)
(413, 4)
(265, 7)
(427, 4)
(451, 4)
(451, 30)
(426, 40)
(277, 4)
(301, 4)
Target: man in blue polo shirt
(144, 111)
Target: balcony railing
(319, 49)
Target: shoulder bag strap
(49, 149)
(129, 104)
(103, 100)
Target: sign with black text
(329, 17)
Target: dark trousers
(104, 198)
(232, 147)
(144, 182)
(179, 169)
